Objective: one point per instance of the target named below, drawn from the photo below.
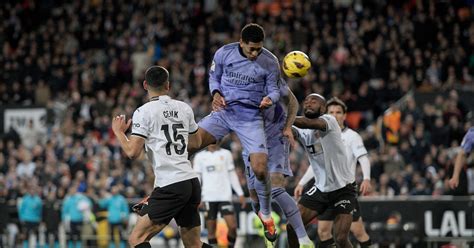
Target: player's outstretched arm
(194, 142)
(458, 163)
(308, 175)
(132, 146)
(307, 123)
(293, 106)
(365, 186)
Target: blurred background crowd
(84, 62)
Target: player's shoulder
(470, 131)
(269, 55)
(181, 105)
(469, 136)
(228, 47)
(350, 133)
(328, 118)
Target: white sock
(304, 240)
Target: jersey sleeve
(273, 81)
(298, 133)
(140, 124)
(284, 88)
(357, 146)
(468, 141)
(193, 126)
(215, 72)
(331, 122)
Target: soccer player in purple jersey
(278, 124)
(466, 147)
(243, 81)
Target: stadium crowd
(84, 62)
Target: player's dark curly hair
(156, 77)
(252, 32)
(337, 102)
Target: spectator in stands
(52, 219)
(30, 210)
(74, 214)
(117, 216)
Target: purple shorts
(246, 122)
(278, 154)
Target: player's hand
(453, 182)
(298, 191)
(243, 201)
(365, 187)
(218, 102)
(288, 133)
(120, 125)
(266, 102)
(138, 207)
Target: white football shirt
(327, 155)
(165, 124)
(354, 147)
(214, 168)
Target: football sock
(264, 196)
(231, 241)
(143, 245)
(366, 244)
(327, 243)
(212, 241)
(290, 209)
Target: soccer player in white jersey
(164, 127)
(356, 152)
(320, 135)
(216, 170)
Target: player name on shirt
(170, 114)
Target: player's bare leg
(325, 233)
(143, 231)
(232, 226)
(191, 237)
(307, 215)
(211, 231)
(358, 229)
(342, 227)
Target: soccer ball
(296, 64)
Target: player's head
(156, 79)
(337, 108)
(314, 105)
(251, 40)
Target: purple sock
(289, 207)
(263, 189)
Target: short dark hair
(337, 102)
(156, 76)
(252, 32)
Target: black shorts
(212, 208)
(342, 201)
(30, 227)
(178, 200)
(329, 213)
